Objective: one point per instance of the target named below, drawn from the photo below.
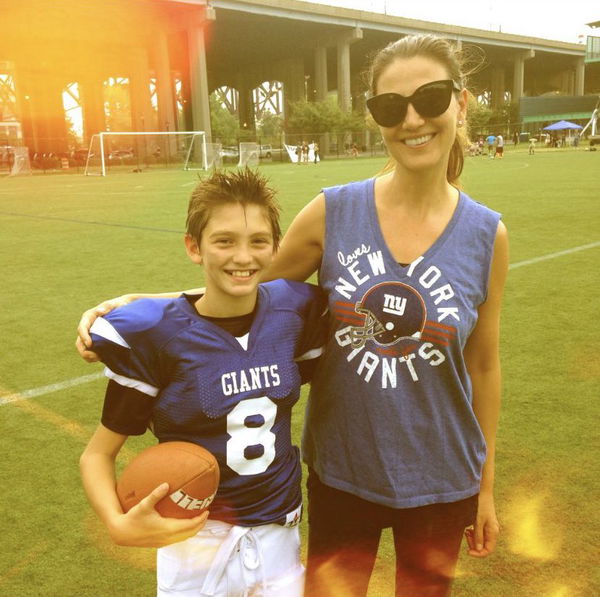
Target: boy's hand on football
(143, 526)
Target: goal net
(136, 152)
(20, 161)
(212, 151)
(248, 155)
(214, 155)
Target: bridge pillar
(519, 73)
(293, 81)
(142, 115)
(42, 99)
(37, 109)
(23, 89)
(245, 103)
(56, 124)
(579, 76)
(92, 95)
(359, 105)
(343, 76)
(343, 67)
(21, 106)
(321, 73)
(199, 76)
(567, 81)
(164, 83)
(497, 86)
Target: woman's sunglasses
(429, 100)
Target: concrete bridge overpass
(311, 49)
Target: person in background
(305, 150)
(491, 143)
(400, 427)
(532, 142)
(499, 146)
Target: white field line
(54, 387)
(554, 255)
(57, 387)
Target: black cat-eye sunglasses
(429, 100)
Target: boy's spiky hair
(246, 187)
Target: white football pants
(223, 560)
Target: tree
(351, 122)
(484, 119)
(478, 117)
(73, 138)
(505, 116)
(269, 126)
(117, 105)
(306, 117)
(322, 117)
(225, 125)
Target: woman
(401, 423)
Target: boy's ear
(192, 248)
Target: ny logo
(394, 304)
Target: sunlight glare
(530, 532)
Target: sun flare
(530, 530)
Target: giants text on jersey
(232, 396)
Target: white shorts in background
(223, 560)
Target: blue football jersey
(234, 396)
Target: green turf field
(68, 241)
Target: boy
(222, 369)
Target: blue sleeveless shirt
(390, 415)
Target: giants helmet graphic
(393, 311)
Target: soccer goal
(212, 152)
(249, 155)
(136, 152)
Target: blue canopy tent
(562, 125)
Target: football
(191, 471)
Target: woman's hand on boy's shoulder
(85, 353)
(84, 341)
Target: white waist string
(244, 540)
(251, 559)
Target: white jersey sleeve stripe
(311, 354)
(128, 382)
(101, 327)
